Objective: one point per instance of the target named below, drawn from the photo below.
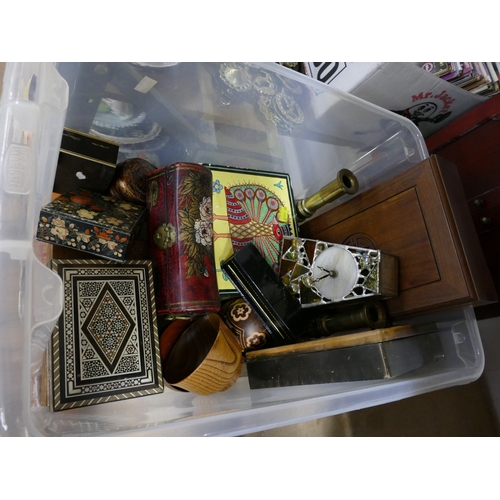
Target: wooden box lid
(420, 216)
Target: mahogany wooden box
(471, 143)
(419, 215)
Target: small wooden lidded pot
(129, 181)
(245, 325)
(205, 359)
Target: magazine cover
(404, 88)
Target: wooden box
(420, 216)
(85, 162)
(471, 143)
(91, 222)
(105, 346)
(370, 355)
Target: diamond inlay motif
(108, 327)
(105, 345)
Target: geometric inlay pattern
(108, 327)
(105, 346)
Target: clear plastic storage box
(216, 113)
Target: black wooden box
(85, 162)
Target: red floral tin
(180, 232)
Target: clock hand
(332, 273)
(321, 278)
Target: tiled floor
(456, 411)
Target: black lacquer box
(259, 285)
(85, 162)
(91, 222)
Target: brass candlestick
(371, 314)
(345, 183)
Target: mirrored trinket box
(318, 272)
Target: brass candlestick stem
(345, 183)
(371, 314)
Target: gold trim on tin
(153, 193)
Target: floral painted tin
(180, 233)
(90, 222)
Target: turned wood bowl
(167, 341)
(206, 358)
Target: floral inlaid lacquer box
(90, 222)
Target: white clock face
(334, 273)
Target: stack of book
(480, 78)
